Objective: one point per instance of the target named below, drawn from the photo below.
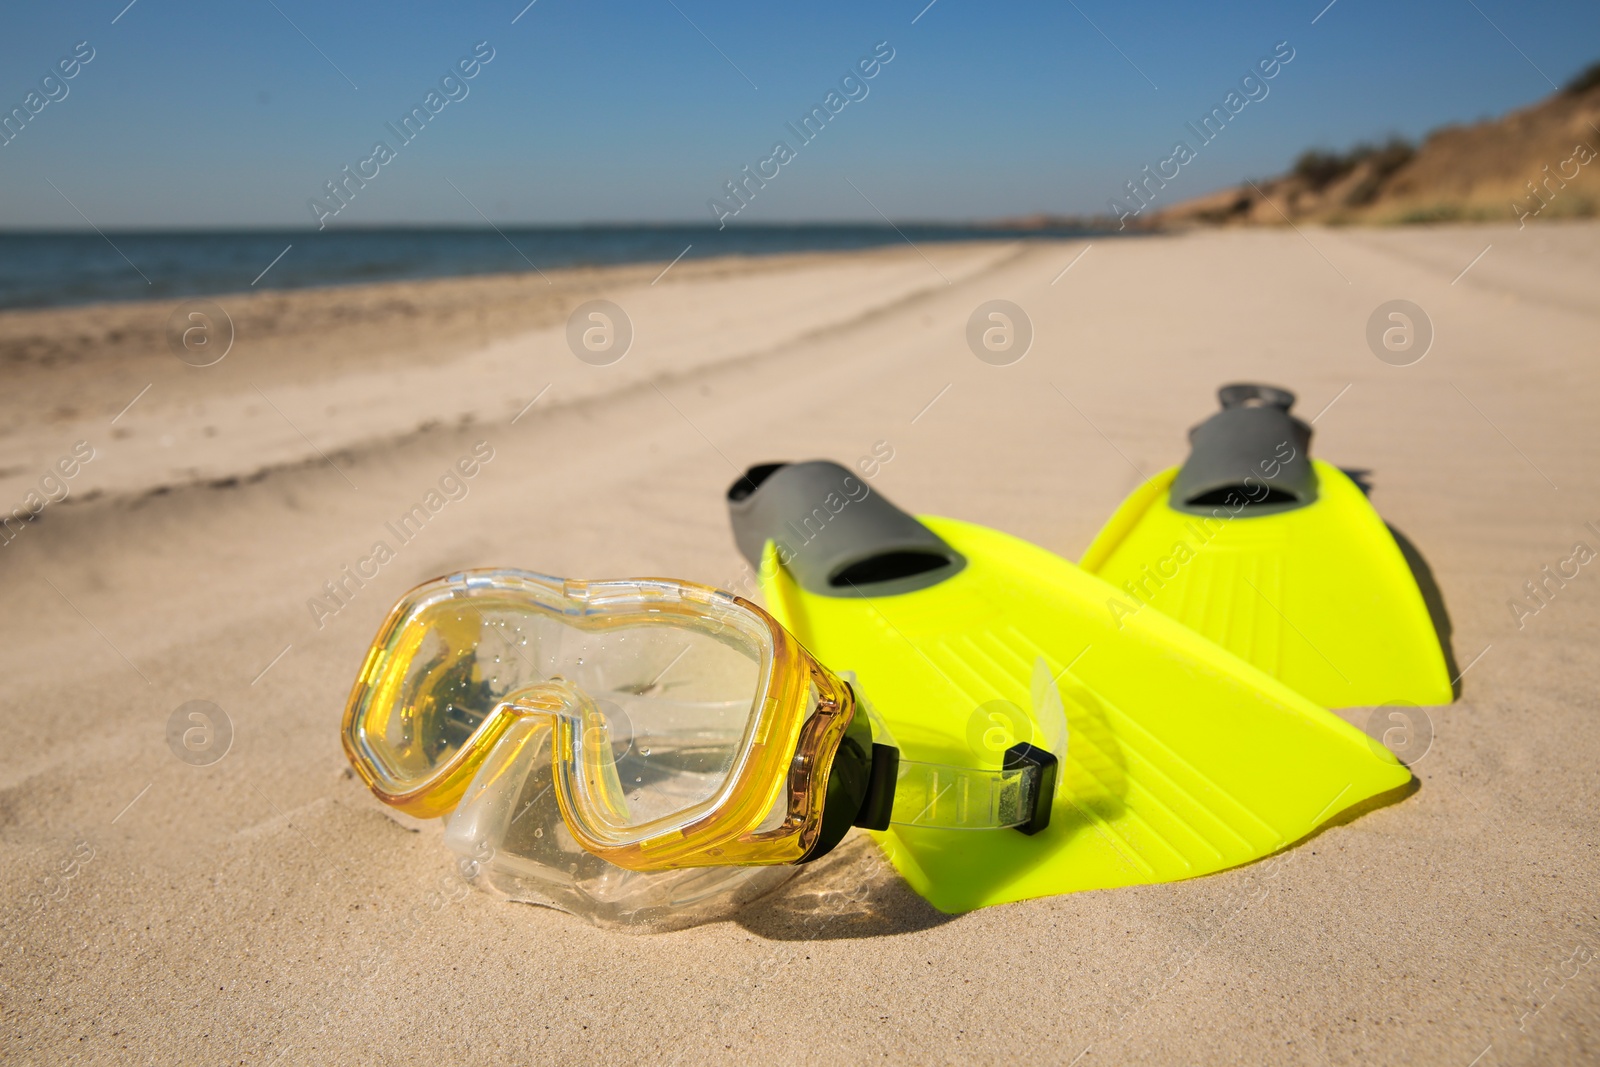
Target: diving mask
(648, 723)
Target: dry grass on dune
(1534, 162)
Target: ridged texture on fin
(1319, 597)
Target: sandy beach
(266, 910)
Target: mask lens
(429, 692)
(677, 702)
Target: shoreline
(81, 268)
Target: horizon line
(1005, 222)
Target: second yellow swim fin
(1279, 558)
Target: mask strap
(946, 797)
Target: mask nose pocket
(497, 800)
(510, 839)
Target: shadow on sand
(1423, 574)
(852, 893)
(1435, 601)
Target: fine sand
(264, 909)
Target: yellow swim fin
(1176, 758)
(1278, 558)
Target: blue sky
(208, 115)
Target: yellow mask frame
(805, 754)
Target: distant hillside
(1540, 162)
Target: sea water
(53, 269)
